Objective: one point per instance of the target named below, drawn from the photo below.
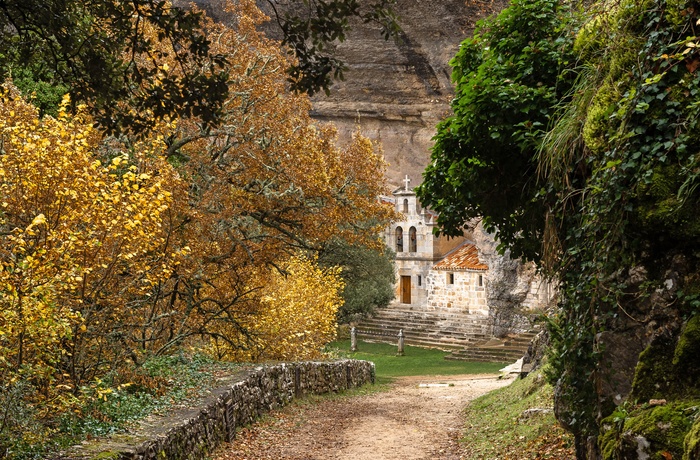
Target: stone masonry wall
(191, 434)
(464, 296)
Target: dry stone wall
(191, 434)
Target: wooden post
(400, 344)
(353, 339)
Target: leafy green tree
(45, 95)
(484, 162)
(575, 136)
(368, 274)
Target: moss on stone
(597, 121)
(688, 348)
(107, 455)
(599, 124)
(677, 11)
(691, 447)
(665, 427)
(659, 197)
(661, 207)
(609, 437)
(608, 443)
(668, 368)
(685, 359)
(589, 41)
(629, 14)
(623, 25)
(662, 429)
(653, 376)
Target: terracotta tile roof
(465, 257)
(387, 199)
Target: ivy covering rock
(575, 138)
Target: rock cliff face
(515, 293)
(394, 91)
(397, 91)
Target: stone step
(445, 345)
(409, 331)
(421, 312)
(457, 317)
(416, 324)
(422, 335)
(466, 335)
(398, 321)
(422, 323)
(443, 324)
(482, 359)
(425, 331)
(508, 349)
(455, 322)
(483, 354)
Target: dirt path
(419, 419)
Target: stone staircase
(504, 350)
(445, 331)
(467, 336)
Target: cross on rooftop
(407, 180)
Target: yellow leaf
(38, 220)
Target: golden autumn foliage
(297, 314)
(264, 184)
(81, 245)
(114, 249)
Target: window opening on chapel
(450, 278)
(420, 280)
(481, 280)
(399, 239)
(412, 243)
(405, 206)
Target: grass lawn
(417, 361)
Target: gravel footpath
(420, 418)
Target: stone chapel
(433, 273)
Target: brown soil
(419, 418)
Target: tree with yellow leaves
(264, 184)
(109, 252)
(81, 246)
(113, 249)
(297, 314)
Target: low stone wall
(193, 433)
